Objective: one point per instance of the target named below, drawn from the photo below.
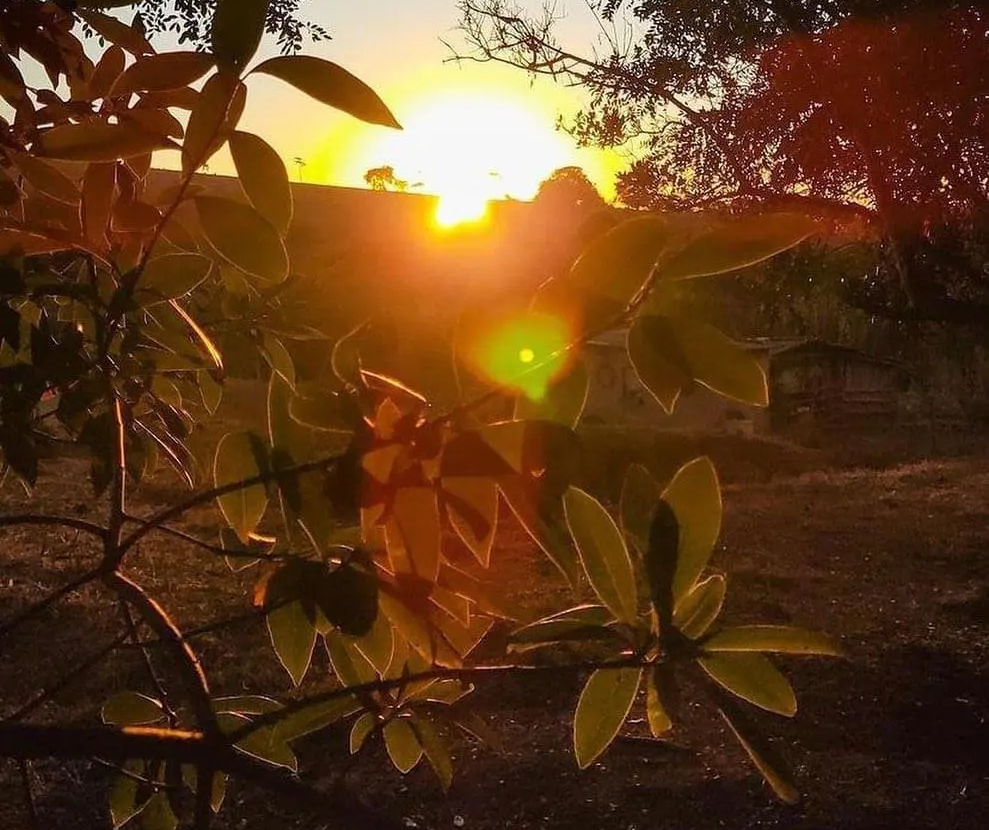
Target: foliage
(384, 178)
(733, 103)
(349, 501)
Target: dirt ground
(895, 562)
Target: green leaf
(415, 512)
(586, 622)
(564, 401)
(266, 743)
(263, 178)
(603, 553)
(738, 244)
(360, 731)
(752, 677)
(766, 757)
(662, 699)
(278, 358)
(541, 520)
(213, 118)
(699, 609)
(171, 276)
(245, 704)
(719, 364)
(328, 412)
(695, 496)
(402, 744)
(637, 505)
(237, 460)
(132, 709)
(99, 141)
(243, 238)
(237, 29)
(332, 85)
(472, 508)
(782, 639)
(158, 814)
(293, 637)
(350, 666)
(211, 392)
(658, 361)
(123, 796)
(162, 73)
(603, 706)
(436, 752)
(313, 718)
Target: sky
(469, 128)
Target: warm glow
(458, 208)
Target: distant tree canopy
(568, 188)
(384, 178)
(846, 108)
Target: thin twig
(207, 546)
(54, 521)
(156, 681)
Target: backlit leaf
(662, 698)
(416, 518)
(699, 609)
(263, 178)
(315, 717)
(603, 553)
(545, 524)
(738, 244)
(110, 28)
(164, 72)
(360, 731)
(278, 358)
(660, 563)
(402, 744)
(695, 496)
(564, 400)
(752, 677)
(586, 622)
(213, 118)
(782, 639)
(658, 360)
(99, 141)
(436, 751)
(293, 637)
(172, 276)
(242, 237)
(132, 709)
(98, 193)
(766, 757)
(603, 706)
(331, 85)
(158, 814)
(236, 460)
(237, 29)
(123, 796)
(640, 494)
(472, 508)
(719, 364)
(44, 177)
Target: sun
(469, 146)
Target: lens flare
(524, 352)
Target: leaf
(44, 177)
(586, 622)
(171, 276)
(266, 743)
(278, 358)
(436, 752)
(313, 718)
(237, 29)
(245, 704)
(603, 706)
(328, 412)
(657, 360)
(782, 639)
(719, 364)
(117, 32)
(163, 73)
(700, 608)
(98, 194)
(603, 553)
(123, 798)
(157, 813)
(347, 596)
(402, 744)
(263, 178)
(132, 709)
(213, 118)
(472, 508)
(637, 505)
(661, 561)
(332, 85)
(236, 460)
(242, 237)
(415, 512)
(360, 731)
(752, 677)
(211, 392)
(350, 666)
(107, 70)
(378, 644)
(293, 637)
(564, 400)
(662, 697)
(695, 497)
(738, 244)
(99, 141)
(767, 759)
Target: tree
(384, 178)
(849, 109)
(118, 310)
(569, 190)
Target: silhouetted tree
(871, 109)
(569, 189)
(384, 178)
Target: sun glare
(460, 208)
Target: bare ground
(894, 562)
